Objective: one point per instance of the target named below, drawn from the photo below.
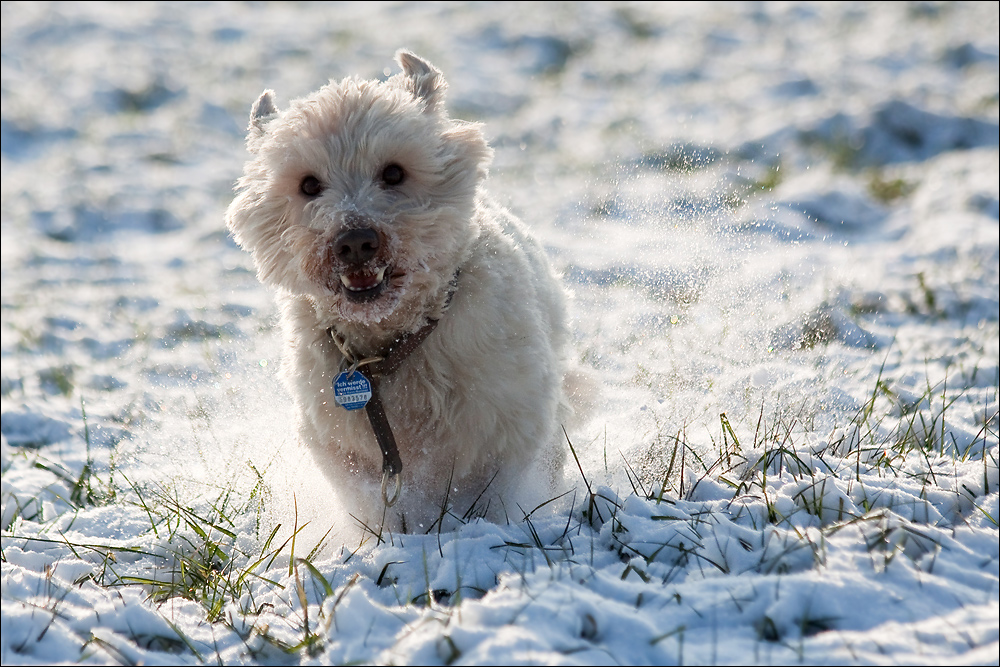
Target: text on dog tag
(352, 391)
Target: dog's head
(361, 196)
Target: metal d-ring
(352, 363)
(386, 475)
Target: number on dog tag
(352, 391)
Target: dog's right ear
(262, 112)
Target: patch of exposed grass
(889, 190)
(790, 492)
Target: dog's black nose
(356, 246)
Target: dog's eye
(310, 186)
(393, 174)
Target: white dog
(400, 282)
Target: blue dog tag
(352, 391)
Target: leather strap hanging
(378, 368)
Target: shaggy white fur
(361, 204)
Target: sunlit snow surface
(784, 214)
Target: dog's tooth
(380, 275)
(343, 279)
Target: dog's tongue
(357, 282)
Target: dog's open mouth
(362, 286)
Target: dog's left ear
(424, 80)
(262, 112)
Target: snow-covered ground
(780, 226)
